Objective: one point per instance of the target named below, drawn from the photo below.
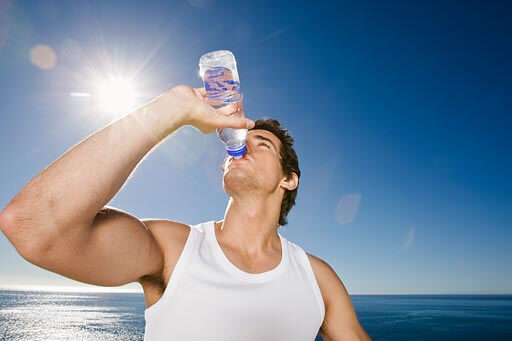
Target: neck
(250, 226)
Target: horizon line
(99, 289)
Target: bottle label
(221, 87)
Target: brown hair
(288, 158)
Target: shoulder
(170, 236)
(332, 288)
(325, 275)
(165, 228)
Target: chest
(252, 265)
(155, 286)
(227, 309)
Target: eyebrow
(261, 137)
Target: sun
(115, 95)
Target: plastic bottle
(220, 77)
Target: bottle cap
(238, 153)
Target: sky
(400, 112)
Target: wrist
(160, 117)
(172, 109)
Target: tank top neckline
(258, 277)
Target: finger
(230, 109)
(234, 122)
(201, 95)
(202, 91)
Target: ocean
(44, 315)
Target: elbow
(7, 221)
(29, 243)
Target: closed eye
(264, 145)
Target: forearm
(74, 188)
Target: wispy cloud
(409, 238)
(277, 32)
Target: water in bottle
(222, 85)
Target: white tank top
(209, 298)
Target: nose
(248, 146)
(250, 143)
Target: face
(259, 169)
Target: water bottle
(222, 84)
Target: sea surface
(45, 315)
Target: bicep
(117, 249)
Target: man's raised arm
(58, 220)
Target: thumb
(234, 122)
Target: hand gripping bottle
(222, 85)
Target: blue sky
(400, 112)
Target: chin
(237, 180)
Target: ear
(291, 182)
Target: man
(234, 279)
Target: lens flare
(347, 208)
(43, 57)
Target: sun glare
(116, 95)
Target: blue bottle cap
(238, 153)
